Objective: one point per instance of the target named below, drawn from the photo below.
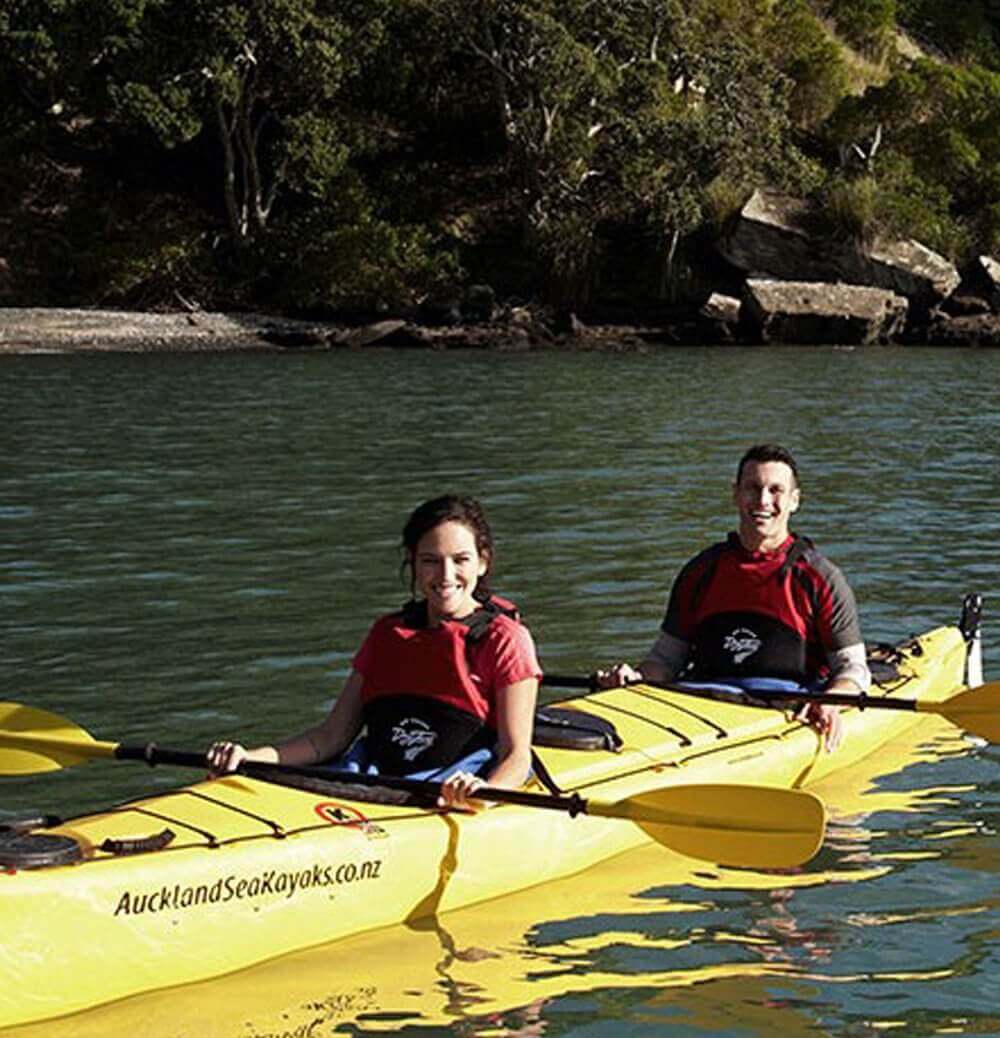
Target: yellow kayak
(213, 877)
(496, 957)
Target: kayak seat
(555, 727)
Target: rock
(531, 324)
(724, 309)
(987, 274)
(480, 303)
(965, 305)
(369, 334)
(906, 268)
(771, 239)
(717, 322)
(817, 312)
(973, 330)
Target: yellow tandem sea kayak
(213, 877)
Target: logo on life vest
(741, 643)
(414, 735)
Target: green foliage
(965, 30)
(723, 201)
(939, 164)
(170, 112)
(312, 153)
(911, 205)
(159, 256)
(805, 52)
(868, 25)
(366, 264)
(895, 204)
(987, 228)
(849, 209)
(264, 77)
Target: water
(193, 547)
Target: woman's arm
(321, 743)
(515, 726)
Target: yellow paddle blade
(740, 826)
(976, 710)
(33, 740)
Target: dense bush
(938, 167)
(867, 24)
(371, 153)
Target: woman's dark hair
(449, 508)
(764, 452)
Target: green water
(193, 547)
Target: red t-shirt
(795, 593)
(504, 655)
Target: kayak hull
(255, 870)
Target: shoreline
(40, 330)
(77, 330)
(45, 330)
(32, 330)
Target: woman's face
(447, 566)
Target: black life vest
(769, 640)
(420, 705)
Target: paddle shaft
(862, 700)
(741, 825)
(976, 710)
(153, 754)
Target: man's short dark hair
(762, 452)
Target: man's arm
(664, 661)
(849, 669)
(848, 673)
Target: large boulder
(906, 268)
(772, 239)
(808, 312)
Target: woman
(445, 688)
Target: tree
(622, 112)
(264, 77)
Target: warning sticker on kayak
(346, 814)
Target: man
(763, 603)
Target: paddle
(977, 710)
(735, 825)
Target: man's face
(765, 497)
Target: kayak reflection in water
(444, 689)
(763, 604)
